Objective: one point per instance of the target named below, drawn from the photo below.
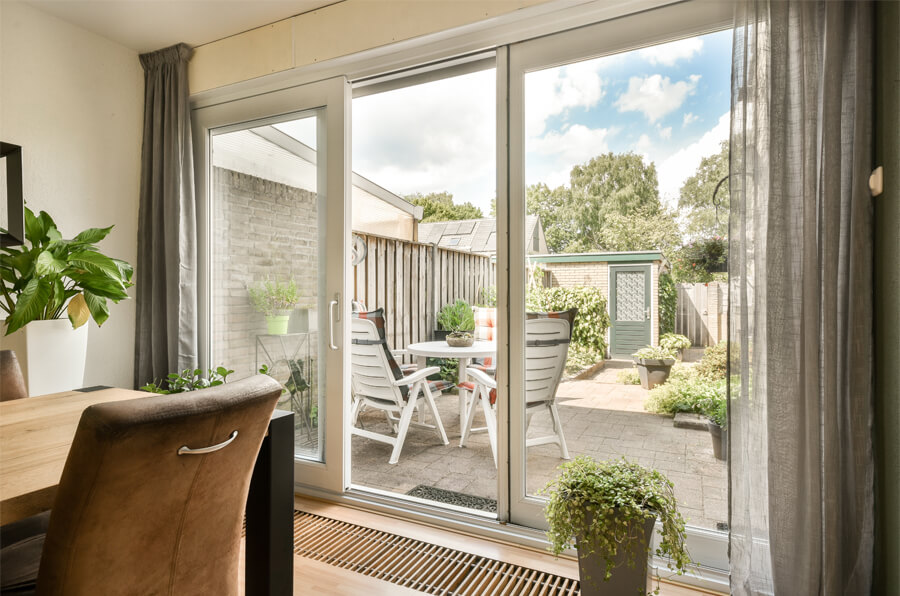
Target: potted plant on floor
(716, 410)
(607, 510)
(675, 342)
(654, 363)
(459, 320)
(276, 300)
(49, 278)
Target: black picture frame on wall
(14, 235)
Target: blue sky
(668, 103)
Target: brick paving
(600, 418)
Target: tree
(703, 219)
(439, 206)
(607, 186)
(640, 230)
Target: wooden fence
(413, 281)
(702, 312)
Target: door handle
(647, 314)
(331, 306)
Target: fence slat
(701, 312)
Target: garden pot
(277, 324)
(719, 440)
(653, 372)
(460, 341)
(624, 580)
(51, 355)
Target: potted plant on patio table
(608, 510)
(459, 319)
(276, 300)
(654, 363)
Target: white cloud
(644, 146)
(555, 90)
(689, 118)
(678, 167)
(665, 133)
(430, 138)
(655, 95)
(668, 54)
(551, 157)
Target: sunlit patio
(600, 418)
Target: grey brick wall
(260, 230)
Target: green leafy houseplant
(459, 319)
(188, 380)
(49, 276)
(602, 507)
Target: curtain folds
(801, 476)
(166, 328)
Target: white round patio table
(440, 349)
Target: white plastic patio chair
(376, 385)
(547, 345)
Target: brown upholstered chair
(138, 514)
(12, 383)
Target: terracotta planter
(719, 437)
(624, 580)
(653, 372)
(460, 341)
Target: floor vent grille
(418, 565)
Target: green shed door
(629, 309)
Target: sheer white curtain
(801, 298)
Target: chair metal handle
(185, 450)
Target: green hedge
(592, 320)
(668, 303)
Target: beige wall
(338, 30)
(73, 100)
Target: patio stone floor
(600, 418)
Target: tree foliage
(604, 199)
(703, 219)
(439, 206)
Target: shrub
(699, 261)
(629, 376)
(714, 362)
(674, 341)
(668, 304)
(654, 353)
(716, 409)
(592, 320)
(580, 358)
(686, 392)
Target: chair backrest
(547, 337)
(12, 383)
(134, 516)
(372, 366)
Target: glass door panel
(273, 242)
(601, 142)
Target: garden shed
(628, 280)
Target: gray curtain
(801, 470)
(166, 274)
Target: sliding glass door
(606, 123)
(274, 176)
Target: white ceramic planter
(51, 355)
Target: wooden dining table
(35, 436)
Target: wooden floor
(314, 577)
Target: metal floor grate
(418, 565)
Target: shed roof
(635, 256)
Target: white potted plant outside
(654, 363)
(51, 288)
(276, 300)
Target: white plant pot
(51, 354)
